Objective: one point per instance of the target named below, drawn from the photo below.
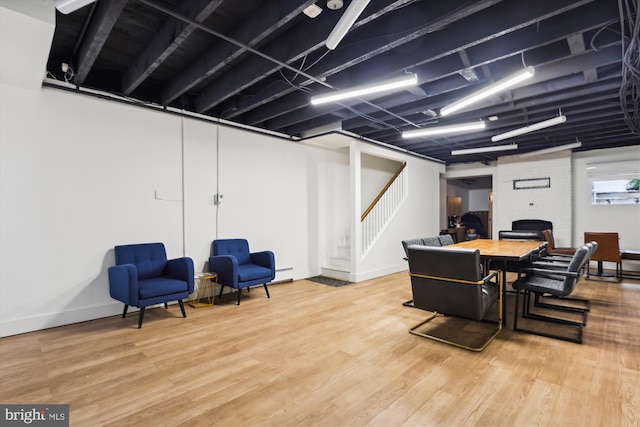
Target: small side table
(205, 282)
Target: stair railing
(379, 213)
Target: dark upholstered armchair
(238, 268)
(143, 276)
(556, 282)
(449, 281)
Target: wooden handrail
(379, 196)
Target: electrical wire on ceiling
(630, 87)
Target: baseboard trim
(52, 320)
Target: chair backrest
(449, 281)
(409, 242)
(534, 235)
(608, 246)
(453, 263)
(423, 241)
(445, 239)
(239, 248)
(548, 237)
(150, 259)
(579, 259)
(531, 224)
(431, 241)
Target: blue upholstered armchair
(143, 276)
(238, 268)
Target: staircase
(382, 210)
(339, 265)
(373, 222)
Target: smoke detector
(312, 10)
(335, 4)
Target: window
(615, 183)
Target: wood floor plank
(315, 355)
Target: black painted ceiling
(257, 62)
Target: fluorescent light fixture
(398, 83)
(484, 149)
(346, 22)
(530, 128)
(68, 6)
(552, 149)
(489, 90)
(440, 130)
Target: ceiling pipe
(260, 54)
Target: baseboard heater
(283, 274)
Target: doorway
(471, 195)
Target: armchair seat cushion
(158, 286)
(550, 284)
(248, 272)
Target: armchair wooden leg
(124, 313)
(182, 308)
(140, 317)
(266, 290)
(166, 305)
(221, 288)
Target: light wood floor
(315, 355)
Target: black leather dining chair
(450, 282)
(558, 282)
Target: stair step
(340, 262)
(338, 273)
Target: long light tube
(68, 6)
(346, 22)
(440, 130)
(387, 85)
(484, 149)
(530, 128)
(489, 90)
(552, 149)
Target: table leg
(504, 294)
(486, 264)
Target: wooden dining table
(502, 251)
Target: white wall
(80, 175)
(475, 195)
(73, 185)
(623, 219)
(479, 199)
(376, 173)
(552, 204)
(565, 174)
(418, 216)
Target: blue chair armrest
(227, 268)
(265, 259)
(123, 283)
(182, 268)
